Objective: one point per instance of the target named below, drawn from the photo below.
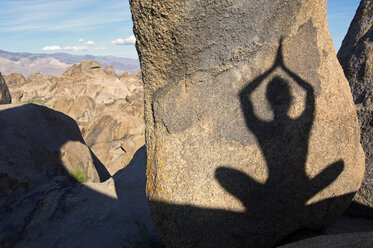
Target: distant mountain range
(50, 64)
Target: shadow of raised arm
(246, 105)
(310, 97)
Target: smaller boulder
(38, 144)
(87, 68)
(15, 79)
(43, 158)
(4, 92)
(110, 71)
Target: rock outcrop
(108, 109)
(356, 58)
(15, 82)
(251, 131)
(4, 92)
(356, 54)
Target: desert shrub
(78, 175)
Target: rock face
(356, 54)
(251, 130)
(4, 92)
(108, 109)
(356, 58)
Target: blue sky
(99, 27)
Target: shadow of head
(278, 95)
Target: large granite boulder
(356, 58)
(251, 130)
(4, 91)
(15, 82)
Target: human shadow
(284, 144)
(277, 211)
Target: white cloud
(125, 41)
(88, 42)
(52, 48)
(100, 48)
(67, 48)
(75, 48)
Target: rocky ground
(108, 109)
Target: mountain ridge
(51, 64)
